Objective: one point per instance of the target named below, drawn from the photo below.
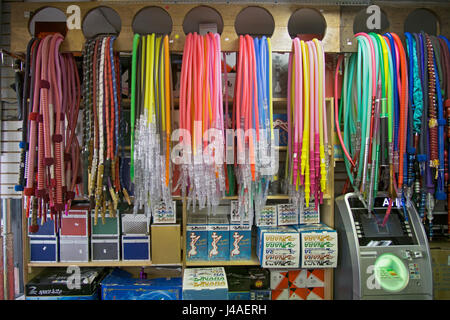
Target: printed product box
(239, 295)
(238, 279)
(267, 217)
(56, 284)
(319, 247)
(235, 217)
(240, 242)
(259, 278)
(260, 295)
(315, 278)
(282, 294)
(298, 278)
(279, 279)
(278, 247)
(218, 238)
(166, 243)
(120, 285)
(205, 284)
(197, 238)
(306, 294)
(310, 214)
(163, 214)
(287, 214)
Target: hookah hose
(26, 97)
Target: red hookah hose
(403, 106)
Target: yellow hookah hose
(161, 84)
(156, 85)
(167, 104)
(150, 67)
(323, 171)
(305, 145)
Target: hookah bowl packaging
(218, 238)
(197, 238)
(240, 242)
(205, 284)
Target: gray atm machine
(380, 262)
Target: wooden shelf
(144, 263)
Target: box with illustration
(278, 247)
(218, 238)
(319, 246)
(197, 238)
(240, 242)
(267, 217)
(205, 284)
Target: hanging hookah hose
(54, 103)
(445, 49)
(307, 164)
(151, 126)
(201, 119)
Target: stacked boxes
(44, 242)
(248, 283)
(74, 236)
(135, 237)
(297, 284)
(300, 246)
(215, 239)
(105, 239)
(205, 284)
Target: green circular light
(391, 273)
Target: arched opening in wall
(203, 19)
(101, 20)
(152, 20)
(254, 21)
(307, 24)
(48, 19)
(367, 22)
(422, 20)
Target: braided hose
(432, 112)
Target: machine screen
(371, 231)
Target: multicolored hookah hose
(151, 124)
(201, 124)
(52, 161)
(307, 161)
(253, 123)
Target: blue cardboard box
(239, 295)
(46, 229)
(278, 247)
(218, 238)
(240, 242)
(44, 249)
(260, 295)
(205, 284)
(197, 238)
(120, 285)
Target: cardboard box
(238, 279)
(315, 278)
(260, 295)
(306, 294)
(298, 278)
(120, 285)
(259, 278)
(287, 214)
(166, 243)
(197, 238)
(205, 284)
(440, 259)
(279, 279)
(267, 217)
(319, 246)
(235, 217)
(310, 215)
(278, 247)
(218, 238)
(239, 295)
(240, 242)
(282, 294)
(163, 214)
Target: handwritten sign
(163, 214)
(281, 250)
(287, 214)
(267, 217)
(319, 249)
